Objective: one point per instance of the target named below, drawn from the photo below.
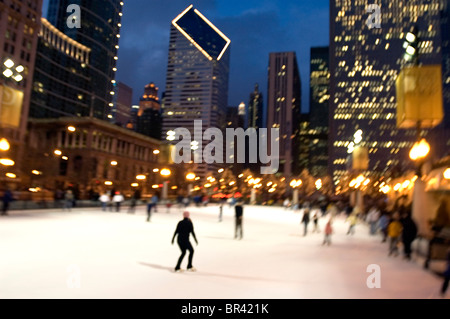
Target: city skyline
(270, 26)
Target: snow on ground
(46, 254)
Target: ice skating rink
(93, 254)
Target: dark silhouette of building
(255, 109)
(121, 112)
(319, 117)
(149, 119)
(284, 107)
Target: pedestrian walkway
(87, 253)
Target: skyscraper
(284, 107)
(149, 115)
(100, 32)
(319, 105)
(256, 109)
(364, 65)
(61, 83)
(197, 76)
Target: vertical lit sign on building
(11, 102)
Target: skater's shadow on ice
(206, 274)
(158, 267)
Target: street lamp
(4, 145)
(190, 178)
(7, 162)
(295, 184)
(11, 72)
(165, 172)
(57, 152)
(420, 150)
(171, 136)
(114, 163)
(72, 129)
(141, 177)
(319, 184)
(447, 174)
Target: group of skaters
(396, 226)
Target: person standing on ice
(395, 229)
(409, 232)
(239, 216)
(352, 220)
(184, 229)
(328, 232)
(305, 220)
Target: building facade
(97, 156)
(149, 119)
(255, 114)
(284, 107)
(319, 111)
(19, 28)
(197, 78)
(121, 113)
(364, 65)
(100, 24)
(61, 83)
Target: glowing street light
(36, 172)
(4, 145)
(156, 152)
(11, 175)
(166, 172)
(108, 183)
(221, 171)
(135, 185)
(57, 152)
(171, 136)
(319, 184)
(114, 163)
(420, 150)
(72, 129)
(141, 177)
(447, 174)
(9, 63)
(195, 145)
(190, 177)
(294, 183)
(7, 162)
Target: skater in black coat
(409, 232)
(239, 216)
(184, 229)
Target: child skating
(328, 233)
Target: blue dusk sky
(255, 27)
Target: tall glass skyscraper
(61, 83)
(319, 109)
(100, 32)
(197, 76)
(364, 65)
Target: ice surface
(121, 256)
